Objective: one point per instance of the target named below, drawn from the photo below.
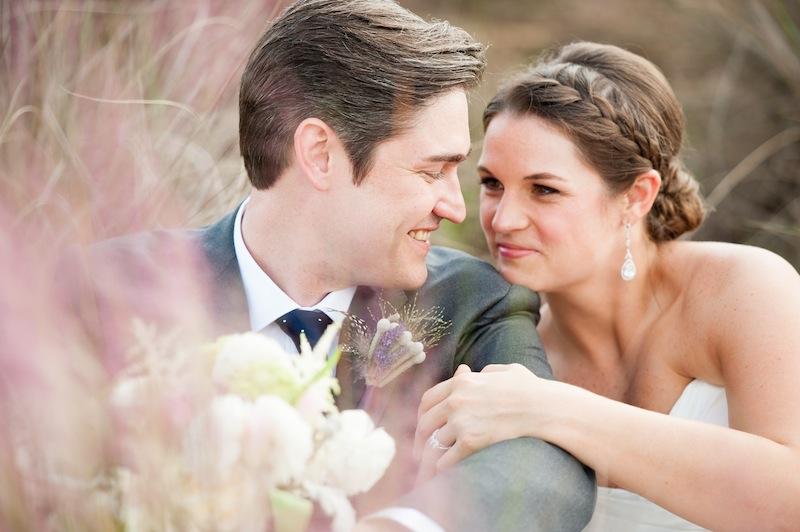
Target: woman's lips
(510, 251)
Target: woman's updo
(623, 117)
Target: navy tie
(312, 322)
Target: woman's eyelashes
(544, 190)
(492, 184)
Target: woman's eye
(490, 183)
(542, 190)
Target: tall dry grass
(769, 33)
(116, 116)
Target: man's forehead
(456, 157)
(440, 131)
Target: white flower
(268, 438)
(335, 504)
(279, 442)
(354, 457)
(251, 365)
(213, 442)
(317, 401)
(267, 425)
(234, 507)
(129, 394)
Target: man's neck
(293, 264)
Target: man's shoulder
(212, 242)
(143, 241)
(465, 281)
(447, 265)
(164, 250)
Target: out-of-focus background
(121, 115)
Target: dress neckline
(696, 399)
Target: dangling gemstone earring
(628, 270)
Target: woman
(679, 361)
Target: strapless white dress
(619, 510)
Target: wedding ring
(434, 443)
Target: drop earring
(628, 270)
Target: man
(353, 121)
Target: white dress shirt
(266, 302)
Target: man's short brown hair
(361, 66)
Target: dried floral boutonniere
(398, 341)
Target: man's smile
(421, 235)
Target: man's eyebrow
(448, 157)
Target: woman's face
(549, 220)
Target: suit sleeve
(524, 484)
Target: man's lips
(513, 251)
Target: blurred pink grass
(123, 116)
(117, 117)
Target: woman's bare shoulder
(737, 294)
(719, 268)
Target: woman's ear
(642, 194)
(314, 144)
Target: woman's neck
(604, 318)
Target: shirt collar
(266, 302)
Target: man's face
(384, 224)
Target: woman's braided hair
(623, 117)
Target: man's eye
(432, 176)
(491, 183)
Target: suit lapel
(229, 302)
(366, 306)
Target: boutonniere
(398, 341)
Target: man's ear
(314, 144)
(640, 196)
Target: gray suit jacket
(517, 485)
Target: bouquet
(238, 436)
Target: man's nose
(451, 204)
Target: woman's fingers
(439, 444)
(440, 391)
(430, 421)
(434, 396)
(491, 368)
(462, 368)
(445, 436)
(452, 456)
(432, 411)
(427, 466)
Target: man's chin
(410, 279)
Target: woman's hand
(474, 410)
